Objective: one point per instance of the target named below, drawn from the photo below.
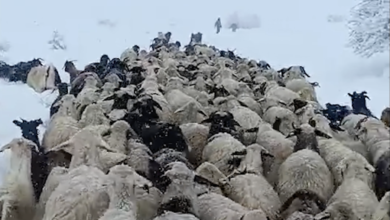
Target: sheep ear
(291, 134)
(110, 98)
(236, 123)
(17, 123)
(350, 94)
(65, 146)
(322, 134)
(202, 180)
(243, 104)
(208, 120)
(252, 130)
(156, 104)
(276, 124)
(370, 168)
(312, 123)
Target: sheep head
(221, 122)
(69, 66)
(306, 136)
(358, 101)
(29, 129)
(145, 106)
(104, 60)
(21, 147)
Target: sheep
(175, 216)
(359, 103)
(88, 95)
(62, 125)
(304, 88)
(293, 72)
(281, 93)
(57, 175)
(282, 118)
(213, 206)
(78, 83)
(213, 175)
(385, 117)
(117, 139)
(306, 137)
(196, 136)
(123, 204)
(93, 114)
(91, 150)
(17, 197)
(382, 212)
(338, 158)
(382, 170)
(349, 123)
(62, 91)
(353, 199)
(304, 178)
(42, 78)
(243, 185)
(85, 198)
(180, 194)
(221, 150)
(98, 67)
(39, 167)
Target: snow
(291, 33)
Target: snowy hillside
(296, 34)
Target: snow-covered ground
(291, 33)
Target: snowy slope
(296, 34)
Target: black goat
(39, 160)
(359, 103)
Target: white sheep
(196, 137)
(117, 139)
(219, 151)
(17, 193)
(353, 199)
(56, 176)
(248, 187)
(339, 158)
(304, 87)
(81, 195)
(382, 212)
(121, 190)
(88, 147)
(43, 78)
(281, 118)
(213, 206)
(62, 125)
(304, 170)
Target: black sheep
(39, 160)
(222, 122)
(62, 90)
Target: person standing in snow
(218, 25)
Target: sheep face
(146, 107)
(29, 129)
(221, 122)
(303, 201)
(62, 89)
(385, 117)
(359, 103)
(253, 160)
(21, 147)
(382, 170)
(306, 137)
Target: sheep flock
(193, 133)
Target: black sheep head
(306, 136)
(178, 44)
(136, 49)
(62, 89)
(69, 66)
(168, 36)
(358, 101)
(264, 65)
(145, 107)
(104, 60)
(29, 129)
(221, 122)
(36, 62)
